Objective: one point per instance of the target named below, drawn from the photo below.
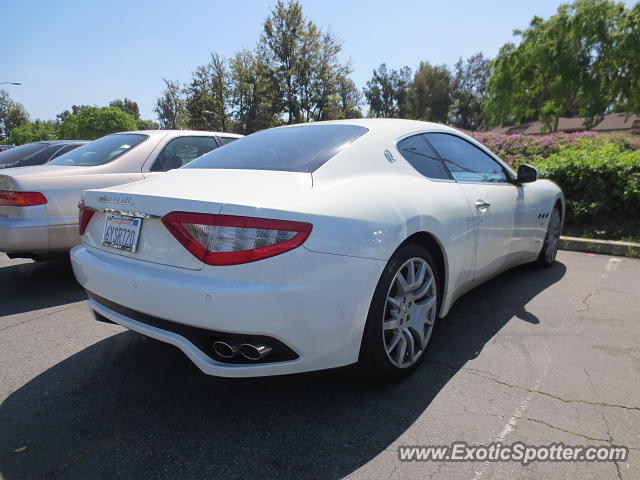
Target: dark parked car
(37, 153)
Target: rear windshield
(28, 155)
(100, 151)
(291, 149)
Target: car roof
(390, 130)
(56, 142)
(183, 132)
(390, 126)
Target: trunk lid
(184, 190)
(39, 171)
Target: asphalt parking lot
(537, 356)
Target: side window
(180, 151)
(466, 162)
(225, 140)
(41, 157)
(422, 157)
(65, 149)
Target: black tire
(374, 362)
(546, 258)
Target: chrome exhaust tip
(254, 352)
(224, 349)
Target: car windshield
(292, 149)
(100, 151)
(28, 155)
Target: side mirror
(527, 174)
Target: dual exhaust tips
(247, 350)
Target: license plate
(121, 232)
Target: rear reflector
(231, 240)
(84, 217)
(21, 199)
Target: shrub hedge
(599, 174)
(602, 189)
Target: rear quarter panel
(371, 216)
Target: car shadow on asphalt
(37, 285)
(129, 407)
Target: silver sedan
(39, 204)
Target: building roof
(616, 121)
(613, 122)
(502, 130)
(533, 128)
(539, 128)
(566, 125)
(575, 124)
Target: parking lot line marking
(612, 264)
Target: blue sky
(92, 51)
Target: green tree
(220, 88)
(627, 59)
(208, 96)
(280, 49)
(348, 98)
(12, 115)
(253, 98)
(127, 105)
(429, 96)
(75, 109)
(387, 92)
(561, 66)
(469, 92)
(171, 106)
(147, 125)
(33, 132)
(95, 122)
(302, 63)
(332, 94)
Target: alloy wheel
(553, 236)
(409, 312)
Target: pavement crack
(84, 454)
(585, 300)
(564, 430)
(436, 473)
(456, 368)
(24, 322)
(608, 427)
(551, 395)
(608, 440)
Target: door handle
(481, 204)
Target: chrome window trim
(486, 183)
(408, 135)
(511, 178)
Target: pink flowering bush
(517, 149)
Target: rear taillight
(84, 217)
(21, 199)
(231, 240)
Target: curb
(606, 247)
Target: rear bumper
(26, 234)
(316, 304)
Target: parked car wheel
(402, 315)
(551, 240)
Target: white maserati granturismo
(312, 246)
